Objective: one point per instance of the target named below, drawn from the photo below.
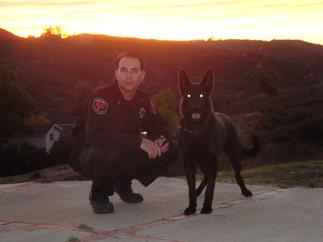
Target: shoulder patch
(100, 106)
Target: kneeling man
(121, 138)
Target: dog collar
(190, 131)
(196, 131)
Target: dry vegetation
(271, 88)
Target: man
(124, 137)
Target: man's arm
(153, 123)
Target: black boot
(126, 194)
(101, 203)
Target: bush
(312, 129)
(23, 159)
(166, 105)
(27, 158)
(60, 152)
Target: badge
(100, 106)
(152, 108)
(142, 113)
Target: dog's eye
(189, 95)
(201, 95)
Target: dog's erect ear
(207, 80)
(183, 81)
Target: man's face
(129, 74)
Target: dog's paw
(247, 193)
(190, 211)
(206, 210)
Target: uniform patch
(100, 106)
(142, 113)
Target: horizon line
(211, 38)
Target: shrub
(312, 129)
(23, 159)
(60, 152)
(166, 105)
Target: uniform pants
(111, 164)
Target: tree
(166, 104)
(52, 33)
(15, 104)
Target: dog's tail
(254, 149)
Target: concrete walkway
(60, 211)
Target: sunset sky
(169, 19)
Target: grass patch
(85, 227)
(73, 239)
(35, 175)
(306, 174)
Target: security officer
(124, 137)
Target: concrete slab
(23, 234)
(294, 215)
(56, 211)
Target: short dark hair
(131, 55)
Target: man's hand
(164, 148)
(162, 144)
(152, 149)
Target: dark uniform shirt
(113, 120)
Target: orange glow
(169, 19)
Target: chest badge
(152, 108)
(142, 113)
(100, 106)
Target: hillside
(271, 87)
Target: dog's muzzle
(196, 116)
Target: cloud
(42, 3)
(312, 4)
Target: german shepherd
(203, 135)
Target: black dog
(203, 135)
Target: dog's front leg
(190, 176)
(201, 186)
(211, 173)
